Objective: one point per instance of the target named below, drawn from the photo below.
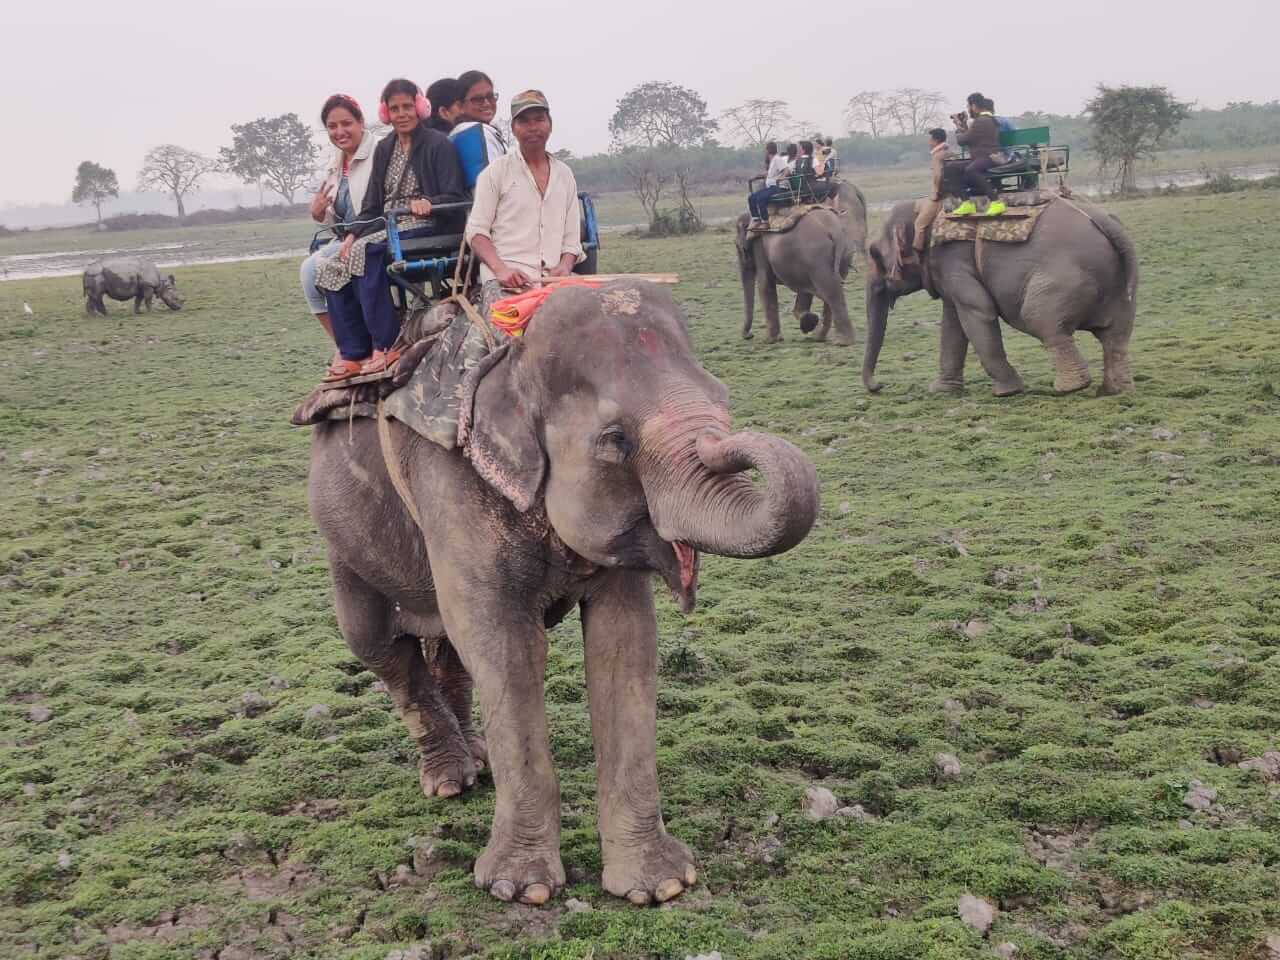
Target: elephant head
(168, 293)
(602, 414)
(893, 271)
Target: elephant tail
(1120, 239)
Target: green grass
(1119, 593)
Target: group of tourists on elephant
(794, 170)
(440, 151)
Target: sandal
(381, 361)
(342, 370)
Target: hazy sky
(108, 79)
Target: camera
(961, 120)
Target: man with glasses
(477, 140)
(524, 222)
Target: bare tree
(915, 110)
(648, 175)
(758, 121)
(869, 111)
(175, 169)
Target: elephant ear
(497, 428)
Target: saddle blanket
(1014, 226)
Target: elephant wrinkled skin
(1079, 271)
(599, 452)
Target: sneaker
(966, 209)
(995, 208)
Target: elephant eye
(613, 445)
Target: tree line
(666, 146)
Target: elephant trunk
(878, 304)
(700, 494)
(747, 271)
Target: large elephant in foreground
(596, 452)
(1078, 271)
(813, 259)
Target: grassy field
(1078, 598)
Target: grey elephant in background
(1078, 271)
(813, 258)
(596, 453)
(128, 278)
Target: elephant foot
(1071, 383)
(1008, 388)
(942, 385)
(442, 776)
(1112, 389)
(808, 322)
(747, 335)
(844, 339)
(653, 872)
(511, 870)
(777, 339)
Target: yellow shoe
(966, 209)
(995, 208)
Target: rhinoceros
(122, 278)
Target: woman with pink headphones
(415, 167)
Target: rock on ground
(947, 766)
(39, 714)
(819, 803)
(1268, 765)
(976, 913)
(1007, 950)
(855, 812)
(1198, 796)
(713, 955)
(574, 905)
(253, 703)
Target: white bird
(26, 308)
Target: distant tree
(1129, 124)
(563, 153)
(914, 110)
(277, 151)
(175, 169)
(756, 122)
(94, 184)
(654, 128)
(869, 111)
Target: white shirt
(777, 166)
(530, 230)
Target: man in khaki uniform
(927, 210)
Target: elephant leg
(1070, 369)
(642, 862)
(824, 328)
(831, 290)
(1117, 376)
(981, 325)
(504, 648)
(803, 312)
(445, 766)
(456, 686)
(769, 297)
(953, 348)
(137, 304)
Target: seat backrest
(1026, 137)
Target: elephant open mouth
(683, 579)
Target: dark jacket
(433, 160)
(982, 138)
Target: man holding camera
(982, 137)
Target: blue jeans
(307, 274)
(362, 314)
(758, 202)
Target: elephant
(128, 278)
(1078, 271)
(594, 452)
(813, 259)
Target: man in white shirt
(524, 221)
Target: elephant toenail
(504, 890)
(690, 875)
(671, 887)
(449, 788)
(639, 897)
(536, 894)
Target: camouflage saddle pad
(426, 390)
(782, 219)
(1015, 225)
